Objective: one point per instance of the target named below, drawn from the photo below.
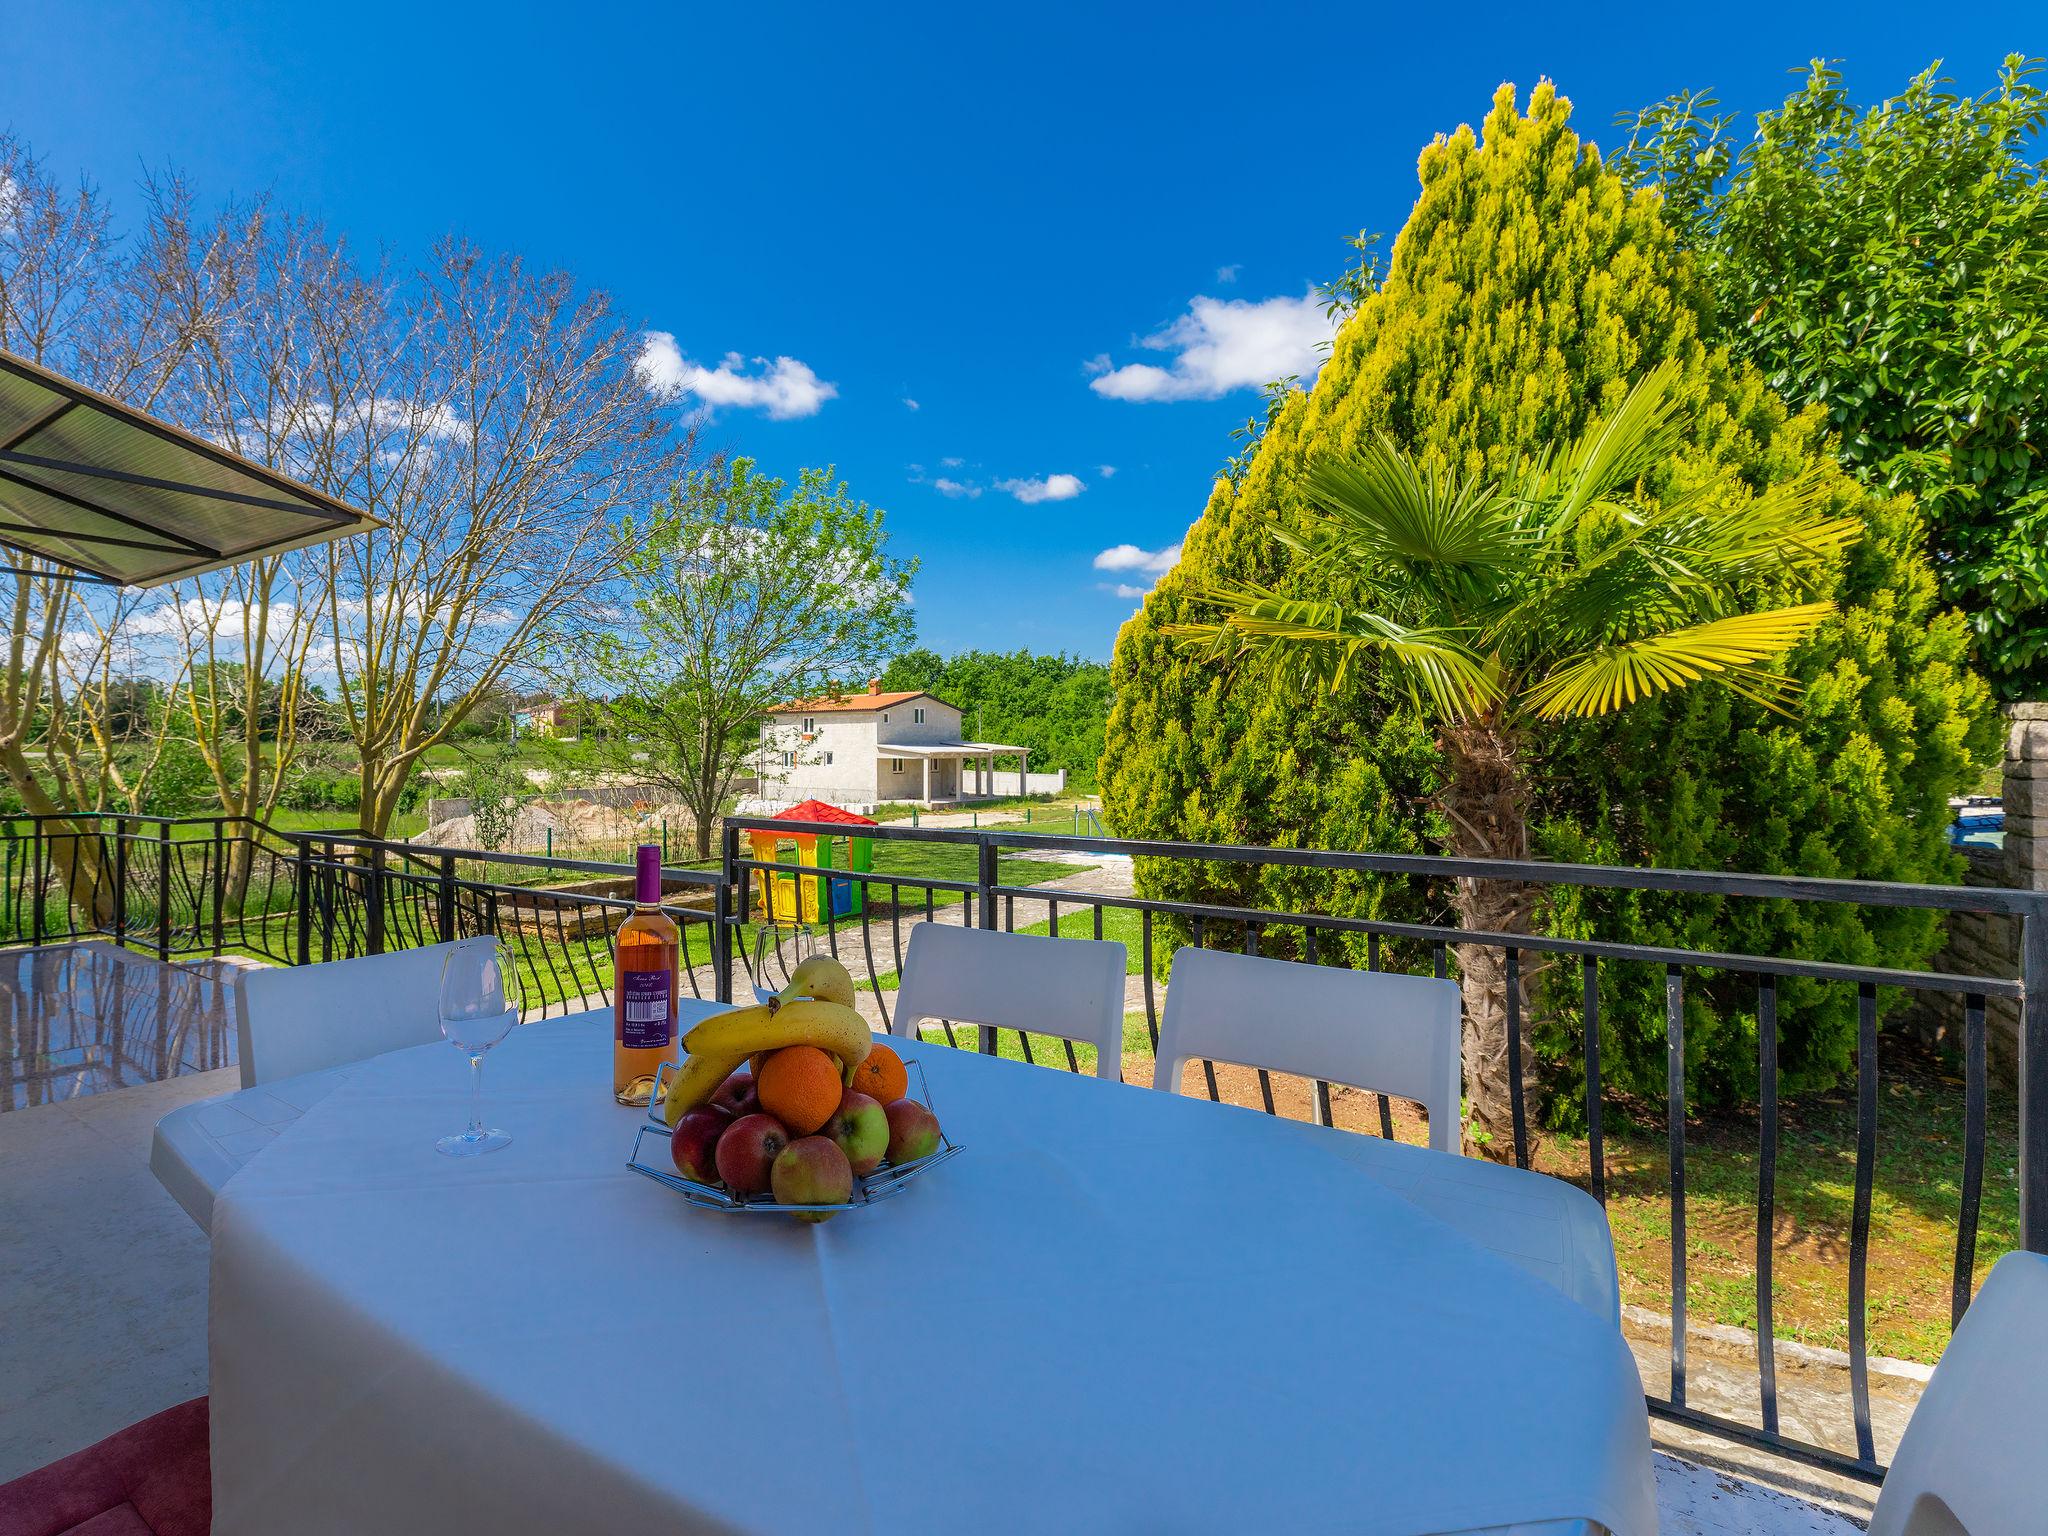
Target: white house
(865, 748)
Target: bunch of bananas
(816, 1008)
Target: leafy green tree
(494, 784)
(1055, 705)
(1587, 582)
(744, 593)
(1528, 290)
(1891, 266)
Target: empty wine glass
(479, 1006)
(780, 946)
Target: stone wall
(1984, 944)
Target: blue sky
(987, 211)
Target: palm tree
(1563, 591)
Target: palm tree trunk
(1485, 797)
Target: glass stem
(476, 1094)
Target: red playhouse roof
(818, 810)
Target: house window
(789, 759)
(828, 759)
(885, 717)
(917, 717)
(810, 726)
(895, 765)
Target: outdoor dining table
(1115, 1310)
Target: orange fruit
(881, 1077)
(799, 1085)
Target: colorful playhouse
(792, 898)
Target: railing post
(444, 899)
(2033, 1083)
(326, 903)
(375, 900)
(985, 883)
(36, 884)
(163, 891)
(120, 880)
(220, 884)
(303, 880)
(725, 929)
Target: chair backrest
(1970, 1461)
(1379, 1030)
(303, 1018)
(1073, 988)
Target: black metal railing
(223, 885)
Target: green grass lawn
(1042, 813)
(403, 824)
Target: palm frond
(1322, 640)
(1614, 452)
(1382, 505)
(1726, 651)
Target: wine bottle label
(647, 1010)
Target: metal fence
(224, 885)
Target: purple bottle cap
(647, 869)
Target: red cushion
(151, 1479)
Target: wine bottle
(644, 994)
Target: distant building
(543, 719)
(867, 748)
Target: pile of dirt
(567, 824)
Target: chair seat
(198, 1147)
(154, 1478)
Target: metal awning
(121, 498)
(944, 749)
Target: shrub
(315, 791)
(1529, 288)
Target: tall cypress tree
(1528, 289)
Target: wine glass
(479, 1006)
(788, 944)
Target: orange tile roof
(850, 703)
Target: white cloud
(1051, 488)
(1105, 470)
(1229, 274)
(1129, 557)
(953, 463)
(911, 404)
(1125, 589)
(1222, 345)
(955, 488)
(784, 388)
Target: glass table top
(85, 1018)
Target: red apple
(861, 1129)
(747, 1152)
(913, 1131)
(694, 1143)
(736, 1095)
(813, 1171)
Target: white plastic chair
(1970, 1462)
(1377, 1030)
(304, 1018)
(1072, 988)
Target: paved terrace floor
(103, 1279)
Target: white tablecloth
(1116, 1310)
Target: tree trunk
(1486, 800)
(71, 852)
